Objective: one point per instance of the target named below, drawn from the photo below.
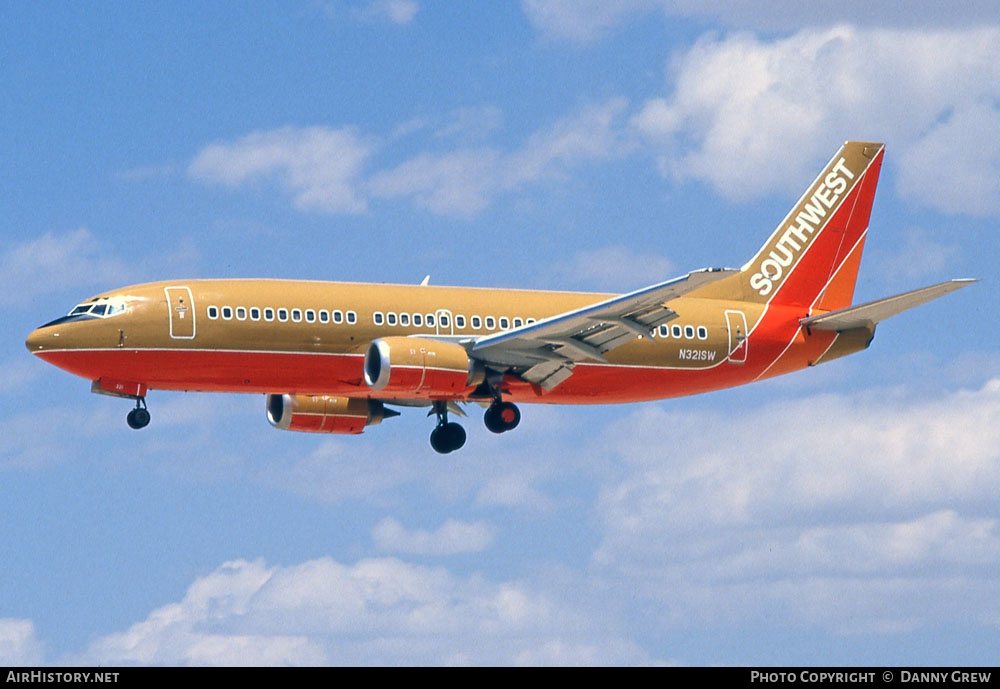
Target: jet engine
(325, 414)
(408, 365)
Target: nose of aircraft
(39, 338)
(34, 341)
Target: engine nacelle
(325, 414)
(417, 365)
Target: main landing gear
(138, 417)
(501, 417)
(446, 436)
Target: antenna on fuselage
(426, 281)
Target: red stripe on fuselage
(199, 370)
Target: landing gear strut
(446, 436)
(500, 416)
(138, 417)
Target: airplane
(335, 357)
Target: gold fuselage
(306, 337)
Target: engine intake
(325, 414)
(420, 365)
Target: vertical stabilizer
(812, 258)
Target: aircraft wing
(545, 352)
(875, 312)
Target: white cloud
(879, 503)
(322, 168)
(612, 268)
(592, 133)
(790, 15)
(450, 538)
(57, 262)
(339, 469)
(471, 124)
(396, 11)
(517, 488)
(955, 167)
(465, 181)
(751, 116)
(583, 22)
(920, 255)
(378, 611)
(459, 183)
(18, 644)
(318, 166)
(745, 115)
(509, 471)
(192, 632)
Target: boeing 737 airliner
(335, 357)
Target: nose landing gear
(138, 417)
(446, 436)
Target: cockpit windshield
(102, 307)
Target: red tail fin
(812, 258)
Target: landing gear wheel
(447, 437)
(138, 417)
(502, 416)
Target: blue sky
(842, 515)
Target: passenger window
(518, 322)
(459, 321)
(418, 320)
(227, 312)
(352, 317)
(390, 318)
(443, 320)
(491, 323)
(689, 332)
(504, 323)
(477, 322)
(429, 319)
(296, 315)
(404, 319)
(338, 317)
(378, 318)
(310, 316)
(675, 331)
(324, 316)
(254, 313)
(241, 313)
(282, 315)
(702, 332)
(268, 314)
(213, 312)
(530, 321)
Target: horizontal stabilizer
(877, 311)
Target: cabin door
(736, 321)
(444, 323)
(180, 310)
